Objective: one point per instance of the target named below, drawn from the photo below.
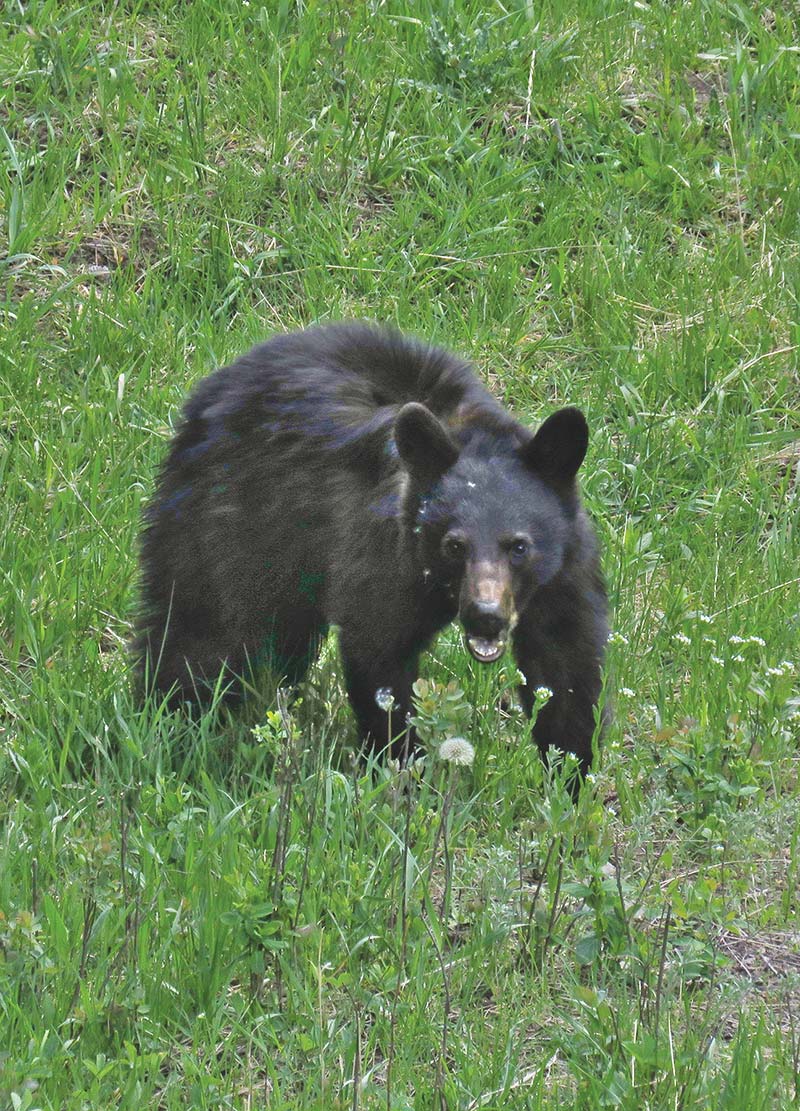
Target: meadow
(598, 201)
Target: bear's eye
(518, 549)
(454, 547)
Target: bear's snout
(484, 619)
(486, 610)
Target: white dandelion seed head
(384, 699)
(458, 751)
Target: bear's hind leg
(188, 667)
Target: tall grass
(596, 200)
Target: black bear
(348, 475)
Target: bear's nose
(484, 619)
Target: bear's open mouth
(484, 650)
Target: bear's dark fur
(347, 475)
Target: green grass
(598, 200)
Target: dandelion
(542, 694)
(384, 699)
(681, 638)
(458, 751)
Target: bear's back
(354, 366)
(336, 390)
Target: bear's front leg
(566, 658)
(379, 689)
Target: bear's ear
(424, 444)
(559, 446)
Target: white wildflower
(616, 638)
(542, 694)
(736, 640)
(457, 750)
(718, 661)
(757, 640)
(739, 659)
(626, 692)
(682, 638)
(706, 618)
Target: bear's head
(489, 512)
